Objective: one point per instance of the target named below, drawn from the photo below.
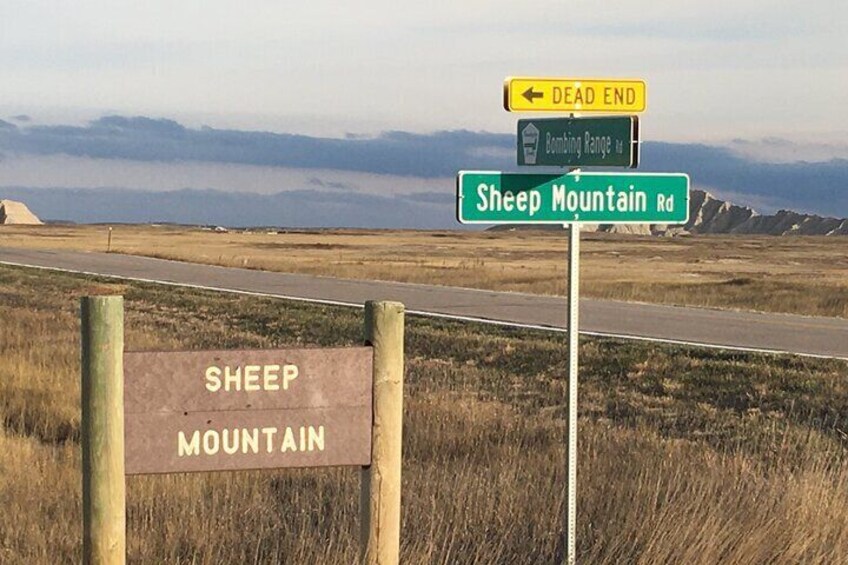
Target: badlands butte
(17, 213)
(711, 215)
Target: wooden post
(380, 482)
(103, 483)
(109, 241)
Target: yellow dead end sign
(526, 94)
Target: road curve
(780, 333)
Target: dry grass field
(805, 275)
(686, 455)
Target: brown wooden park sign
(229, 410)
(188, 411)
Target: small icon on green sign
(529, 147)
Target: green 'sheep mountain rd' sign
(605, 198)
(579, 142)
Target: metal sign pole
(571, 442)
(646, 199)
(571, 433)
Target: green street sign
(579, 142)
(491, 197)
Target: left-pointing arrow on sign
(529, 94)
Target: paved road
(733, 330)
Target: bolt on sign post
(195, 411)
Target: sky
(715, 70)
(765, 79)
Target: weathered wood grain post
(103, 483)
(381, 481)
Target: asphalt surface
(817, 336)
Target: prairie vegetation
(803, 275)
(686, 455)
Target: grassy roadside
(804, 275)
(686, 455)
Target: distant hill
(708, 214)
(322, 209)
(291, 209)
(810, 177)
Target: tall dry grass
(686, 456)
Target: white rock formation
(12, 212)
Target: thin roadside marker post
(381, 481)
(102, 391)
